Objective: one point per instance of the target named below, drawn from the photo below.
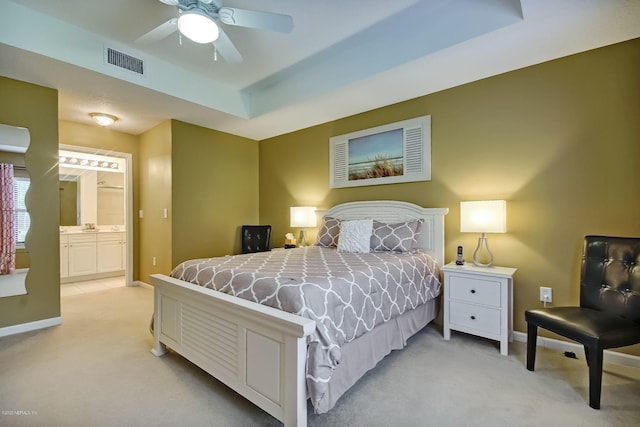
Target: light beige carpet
(96, 370)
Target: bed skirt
(364, 353)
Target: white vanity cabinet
(64, 256)
(91, 255)
(82, 254)
(110, 252)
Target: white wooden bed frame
(259, 351)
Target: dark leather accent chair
(609, 312)
(255, 238)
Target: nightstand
(479, 301)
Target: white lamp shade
(198, 27)
(487, 216)
(303, 216)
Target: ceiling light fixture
(198, 27)
(76, 162)
(103, 119)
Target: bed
(261, 351)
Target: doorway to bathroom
(96, 215)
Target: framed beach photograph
(388, 154)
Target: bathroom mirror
(92, 190)
(69, 207)
(14, 142)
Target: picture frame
(388, 154)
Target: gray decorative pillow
(329, 232)
(399, 237)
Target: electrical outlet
(546, 294)
(154, 261)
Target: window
(22, 216)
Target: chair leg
(532, 338)
(586, 354)
(595, 357)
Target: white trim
(30, 326)
(128, 158)
(142, 284)
(554, 344)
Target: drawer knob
(473, 291)
(473, 317)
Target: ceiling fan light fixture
(103, 119)
(197, 26)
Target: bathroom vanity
(86, 255)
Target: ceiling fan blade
(225, 47)
(256, 19)
(160, 32)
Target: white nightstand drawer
(474, 290)
(483, 319)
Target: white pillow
(355, 236)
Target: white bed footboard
(258, 351)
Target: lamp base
(482, 241)
(302, 238)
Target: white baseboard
(143, 284)
(30, 326)
(578, 349)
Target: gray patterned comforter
(347, 294)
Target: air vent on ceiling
(124, 61)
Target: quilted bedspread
(347, 294)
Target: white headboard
(431, 233)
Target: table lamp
(303, 217)
(487, 216)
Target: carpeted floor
(96, 370)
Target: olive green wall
(214, 191)
(36, 108)
(558, 141)
(155, 196)
(106, 139)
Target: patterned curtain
(7, 221)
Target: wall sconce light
(303, 216)
(103, 119)
(489, 216)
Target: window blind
(23, 221)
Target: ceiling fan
(198, 20)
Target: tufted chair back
(610, 276)
(255, 238)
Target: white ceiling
(342, 58)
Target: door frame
(128, 157)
